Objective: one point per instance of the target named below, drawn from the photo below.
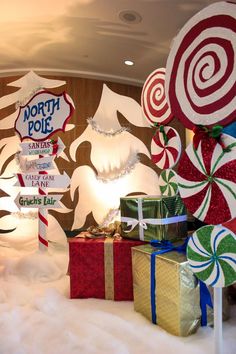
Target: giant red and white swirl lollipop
(153, 99)
(207, 180)
(201, 68)
(166, 147)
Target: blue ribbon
(230, 129)
(164, 247)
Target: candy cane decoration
(153, 99)
(43, 220)
(201, 68)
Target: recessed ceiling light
(130, 17)
(129, 62)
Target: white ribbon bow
(143, 222)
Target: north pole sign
(45, 114)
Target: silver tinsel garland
(20, 161)
(26, 215)
(109, 133)
(125, 169)
(109, 218)
(26, 99)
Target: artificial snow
(38, 317)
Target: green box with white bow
(146, 217)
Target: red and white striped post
(43, 220)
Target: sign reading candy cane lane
(42, 147)
(43, 180)
(45, 114)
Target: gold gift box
(177, 296)
(147, 217)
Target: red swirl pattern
(153, 99)
(166, 155)
(207, 181)
(201, 69)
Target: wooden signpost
(44, 114)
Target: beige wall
(86, 94)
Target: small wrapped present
(166, 290)
(101, 267)
(153, 217)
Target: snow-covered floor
(37, 316)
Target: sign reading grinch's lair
(38, 201)
(45, 114)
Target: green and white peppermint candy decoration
(211, 253)
(168, 183)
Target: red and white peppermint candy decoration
(207, 180)
(201, 68)
(153, 99)
(166, 155)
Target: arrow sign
(43, 181)
(41, 164)
(42, 148)
(38, 201)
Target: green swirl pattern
(168, 183)
(211, 253)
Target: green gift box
(153, 217)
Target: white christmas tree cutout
(114, 155)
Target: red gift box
(101, 268)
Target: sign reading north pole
(44, 115)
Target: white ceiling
(87, 37)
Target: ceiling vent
(130, 17)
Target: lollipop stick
(218, 321)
